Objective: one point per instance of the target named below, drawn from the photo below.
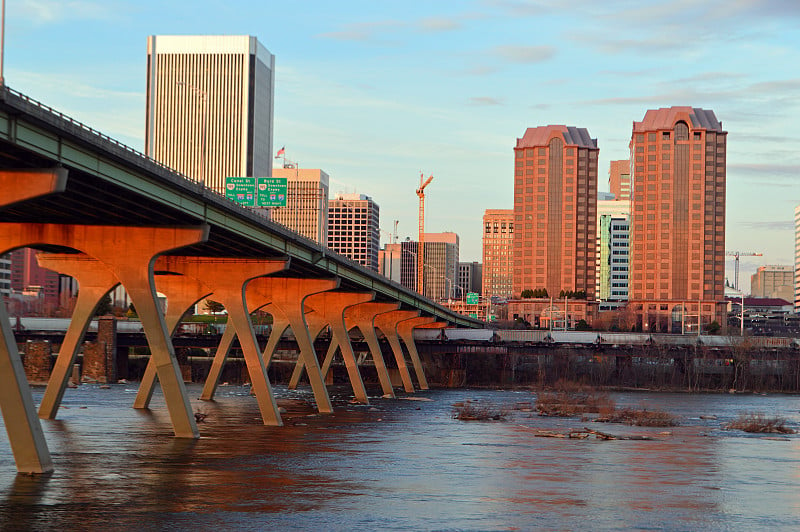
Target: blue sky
(376, 92)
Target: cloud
(783, 170)
(52, 11)
(521, 8)
(440, 24)
(485, 100)
(778, 225)
(362, 31)
(524, 54)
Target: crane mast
(421, 246)
(738, 254)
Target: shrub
(641, 417)
(758, 422)
(572, 400)
(474, 411)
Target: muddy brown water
(403, 465)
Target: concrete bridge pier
(287, 296)
(95, 280)
(405, 329)
(25, 435)
(316, 323)
(363, 317)
(218, 363)
(228, 279)
(329, 309)
(182, 294)
(387, 323)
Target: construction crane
(421, 245)
(738, 254)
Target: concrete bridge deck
(109, 215)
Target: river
(403, 464)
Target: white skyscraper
(210, 106)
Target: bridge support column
(182, 293)
(363, 316)
(315, 323)
(228, 279)
(129, 253)
(95, 280)
(16, 403)
(405, 329)
(220, 357)
(331, 307)
(387, 323)
(287, 296)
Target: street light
(204, 98)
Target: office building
(677, 260)
(306, 210)
(210, 106)
(797, 259)
(5, 275)
(389, 260)
(440, 264)
(555, 209)
(613, 243)
(619, 179)
(773, 281)
(469, 279)
(31, 282)
(498, 253)
(354, 228)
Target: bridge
(109, 215)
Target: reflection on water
(401, 464)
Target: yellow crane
(421, 245)
(738, 254)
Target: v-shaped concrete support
(182, 294)
(287, 296)
(95, 280)
(220, 356)
(330, 308)
(387, 323)
(129, 253)
(405, 329)
(316, 323)
(25, 434)
(363, 317)
(229, 278)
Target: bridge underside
(108, 216)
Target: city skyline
(374, 96)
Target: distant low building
(773, 281)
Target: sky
(375, 93)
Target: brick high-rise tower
(555, 210)
(677, 258)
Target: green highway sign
(271, 192)
(242, 190)
(256, 192)
(473, 298)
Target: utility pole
(421, 250)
